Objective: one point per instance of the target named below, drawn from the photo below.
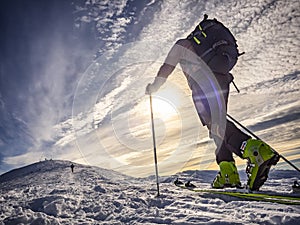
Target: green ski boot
(227, 177)
(260, 159)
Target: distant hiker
(216, 46)
(72, 167)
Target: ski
(244, 194)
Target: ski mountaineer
(216, 46)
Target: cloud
(53, 65)
(291, 116)
(39, 70)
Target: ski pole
(250, 132)
(154, 146)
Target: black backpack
(212, 39)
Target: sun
(163, 108)
(167, 105)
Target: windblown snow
(48, 192)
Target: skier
(215, 45)
(72, 167)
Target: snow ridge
(49, 193)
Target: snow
(107, 123)
(48, 192)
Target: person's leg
(202, 106)
(227, 145)
(233, 139)
(260, 156)
(222, 152)
(228, 175)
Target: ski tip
(296, 187)
(189, 185)
(178, 182)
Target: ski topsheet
(245, 194)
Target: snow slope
(48, 193)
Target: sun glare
(163, 108)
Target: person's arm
(166, 69)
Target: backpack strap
(199, 32)
(213, 47)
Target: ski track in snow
(48, 193)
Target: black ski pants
(233, 138)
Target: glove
(158, 82)
(151, 88)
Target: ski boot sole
(263, 172)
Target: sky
(73, 77)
